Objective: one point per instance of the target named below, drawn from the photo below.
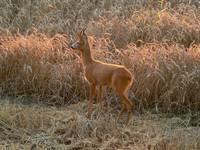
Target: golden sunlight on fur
(101, 74)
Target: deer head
(82, 41)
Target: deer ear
(84, 30)
(80, 34)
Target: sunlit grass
(157, 40)
(166, 76)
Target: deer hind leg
(91, 96)
(123, 108)
(127, 105)
(121, 88)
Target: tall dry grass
(157, 40)
(37, 66)
(149, 37)
(180, 25)
(126, 21)
(166, 77)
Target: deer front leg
(101, 99)
(91, 96)
(99, 93)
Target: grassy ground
(157, 40)
(25, 126)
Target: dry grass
(40, 64)
(125, 21)
(25, 126)
(166, 77)
(159, 41)
(146, 26)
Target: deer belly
(103, 81)
(89, 78)
(97, 79)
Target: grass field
(66, 127)
(43, 93)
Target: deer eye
(80, 42)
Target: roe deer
(101, 74)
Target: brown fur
(101, 74)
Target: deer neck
(86, 55)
